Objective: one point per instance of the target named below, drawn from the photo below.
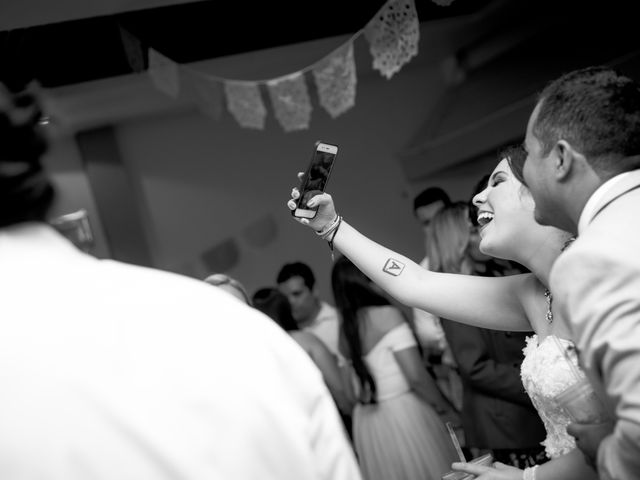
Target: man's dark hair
(25, 191)
(431, 195)
(297, 269)
(596, 110)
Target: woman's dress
(546, 371)
(400, 437)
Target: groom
(583, 170)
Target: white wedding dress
(546, 372)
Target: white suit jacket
(596, 287)
(113, 371)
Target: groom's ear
(566, 158)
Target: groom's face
(538, 175)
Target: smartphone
(315, 178)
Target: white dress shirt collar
(592, 204)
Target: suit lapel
(630, 182)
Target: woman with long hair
(449, 241)
(397, 431)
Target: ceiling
(75, 50)
(72, 41)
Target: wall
(73, 191)
(207, 182)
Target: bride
(516, 303)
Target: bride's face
(505, 214)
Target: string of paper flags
(392, 34)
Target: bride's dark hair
(516, 156)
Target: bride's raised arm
(480, 301)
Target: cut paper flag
(336, 81)
(393, 36)
(222, 257)
(290, 101)
(164, 73)
(245, 103)
(262, 232)
(133, 50)
(207, 93)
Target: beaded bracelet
(530, 473)
(330, 242)
(331, 226)
(329, 233)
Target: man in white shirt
(110, 370)
(583, 170)
(297, 281)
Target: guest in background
(497, 413)
(274, 303)
(297, 281)
(229, 285)
(397, 431)
(111, 370)
(425, 205)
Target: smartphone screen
(315, 178)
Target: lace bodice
(545, 373)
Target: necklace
(549, 298)
(547, 293)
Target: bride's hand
(326, 210)
(499, 471)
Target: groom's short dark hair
(431, 195)
(596, 110)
